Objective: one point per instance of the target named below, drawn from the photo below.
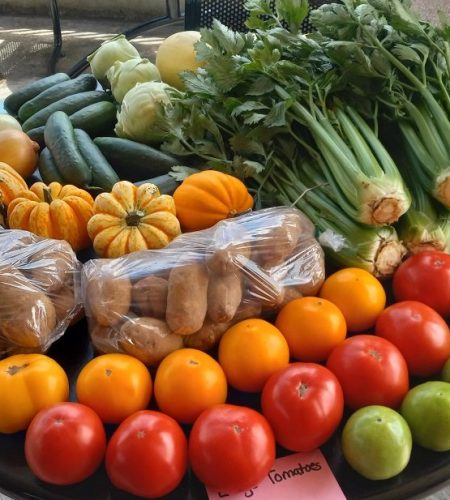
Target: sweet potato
(108, 299)
(27, 315)
(51, 267)
(187, 298)
(148, 339)
(207, 337)
(224, 296)
(149, 297)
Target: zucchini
(103, 175)
(96, 119)
(68, 104)
(60, 140)
(13, 102)
(134, 161)
(82, 83)
(166, 183)
(37, 135)
(48, 169)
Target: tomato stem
(13, 369)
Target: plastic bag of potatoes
(39, 290)
(153, 302)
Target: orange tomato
(29, 383)
(250, 351)
(312, 327)
(114, 386)
(187, 382)
(358, 294)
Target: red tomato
(65, 443)
(371, 370)
(304, 404)
(425, 277)
(420, 333)
(231, 448)
(147, 454)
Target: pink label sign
(301, 475)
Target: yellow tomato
(358, 294)
(115, 386)
(250, 351)
(29, 383)
(187, 382)
(312, 327)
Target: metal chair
(200, 14)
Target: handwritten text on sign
(302, 475)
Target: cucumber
(96, 119)
(82, 83)
(134, 161)
(37, 135)
(103, 175)
(68, 104)
(60, 139)
(13, 102)
(166, 183)
(48, 169)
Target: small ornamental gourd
(207, 197)
(132, 218)
(11, 184)
(53, 211)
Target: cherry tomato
(231, 448)
(371, 371)
(304, 405)
(65, 443)
(114, 386)
(420, 333)
(425, 277)
(147, 454)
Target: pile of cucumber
(72, 120)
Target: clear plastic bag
(39, 290)
(153, 302)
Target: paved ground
(26, 44)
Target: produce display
(150, 303)
(264, 224)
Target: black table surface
(426, 470)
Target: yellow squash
(53, 211)
(132, 218)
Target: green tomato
(376, 442)
(445, 374)
(426, 408)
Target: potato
(64, 303)
(108, 299)
(228, 260)
(148, 339)
(277, 245)
(247, 309)
(261, 287)
(149, 297)
(51, 267)
(224, 296)
(187, 298)
(207, 337)
(291, 293)
(104, 338)
(27, 315)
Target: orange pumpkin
(53, 211)
(132, 218)
(207, 197)
(11, 184)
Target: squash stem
(47, 196)
(134, 218)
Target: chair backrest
(200, 14)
